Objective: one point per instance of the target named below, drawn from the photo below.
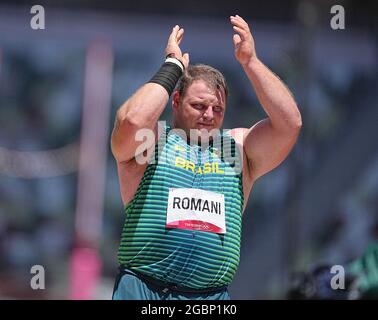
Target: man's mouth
(206, 124)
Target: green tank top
(191, 258)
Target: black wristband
(167, 76)
(172, 55)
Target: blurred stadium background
(59, 191)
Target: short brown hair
(211, 76)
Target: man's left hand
(243, 40)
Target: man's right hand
(173, 48)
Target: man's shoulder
(237, 133)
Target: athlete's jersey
(191, 258)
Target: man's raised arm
(143, 109)
(269, 141)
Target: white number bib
(196, 209)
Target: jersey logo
(179, 148)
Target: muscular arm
(140, 111)
(143, 109)
(268, 142)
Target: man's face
(201, 107)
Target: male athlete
(185, 186)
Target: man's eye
(198, 106)
(217, 109)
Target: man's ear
(175, 100)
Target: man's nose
(209, 113)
